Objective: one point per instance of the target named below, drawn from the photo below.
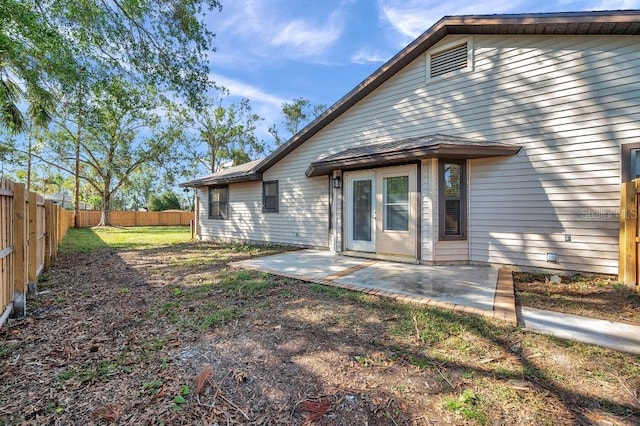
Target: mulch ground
(173, 336)
(591, 296)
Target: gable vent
(449, 60)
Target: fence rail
(88, 218)
(30, 230)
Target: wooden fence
(30, 230)
(90, 218)
(628, 265)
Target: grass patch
(459, 369)
(88, 239)
(89, 374)
(466, 405)
(6, 349)
(338, 293)
(217, 317)
(247, 282)
(435, 326)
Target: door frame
(350, 244)
(377, 175)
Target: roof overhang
(397, 152)
(207, 181)
(245, 172)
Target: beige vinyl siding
(570, 101)
(245, 200)
(304, 203)
(247, 222)
(335, 236)
(429, 195)
(452, 251)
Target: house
(498, 139)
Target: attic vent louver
(449, 60)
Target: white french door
(361, 217)
(380, 210)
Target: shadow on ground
(172, 334)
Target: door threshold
(388, 257)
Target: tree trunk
(105, 213)
(76, 182)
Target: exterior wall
(303, 218)
(245, 200)
(570, 101)
(299, 221)
(429, 203)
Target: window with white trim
(396, 203)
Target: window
(218, 202)
(396, 203)
(630, 162)
(450, 60)
(452, 209)
(270, 196)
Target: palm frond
(13, 118)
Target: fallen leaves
(314, 410)
(202, 379)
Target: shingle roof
(240, 173)
(436, 145)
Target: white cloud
(411, 18)
(243, 90)
(270, 29)
(304, 38)
(364, 56)
(266, 105)
(617, 5)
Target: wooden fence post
(628, 225)
(55, 228)
(32, 264)
(48, 206)
(19, 258)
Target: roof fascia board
(252, 177)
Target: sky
(272, 51)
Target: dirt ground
(592, 296)
(171, 335)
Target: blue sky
(272, 51)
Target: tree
(296, 115)
(227, 133)
(166, 201)
(122, 133)
(62, 43)
(141, 185)
(32, 54)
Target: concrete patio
(480, 290)
(462, 288)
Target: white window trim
(446, 46)
(385, 226)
